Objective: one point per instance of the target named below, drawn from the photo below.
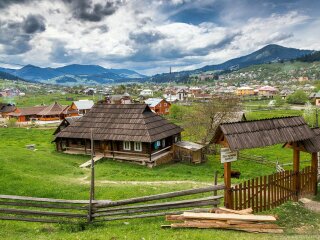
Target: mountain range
(70, 74)
(76, 74)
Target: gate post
(296, 171)
(314, 168)
(227, 184)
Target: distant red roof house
(158, 105)
(52, 112)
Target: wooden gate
(266, 192)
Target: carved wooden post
(314, 167)
(227, 183)
(296, 170)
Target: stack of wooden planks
(223, 218)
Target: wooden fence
(49, 210)
(266, 192)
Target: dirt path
(311, 205)
(85, 180)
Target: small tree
(279, 102)
(201, 123)
(309, 114)
(298, 97)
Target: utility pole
(317, 118)
(91, 180)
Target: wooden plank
(269, 192)
(227, 182)
(241, 212)
(256, 218)
(41, 213)
(245, 195)
(265, 193)
(152, 209)
(235, 194)
(159, 196)
(240, 196)
(232, 227)
(249, 194)
(138, 216)
(261, 193)
(159, 204)
(252, 195)
(42, 220)
(296, 166)
(52, 200)
(257, 194)
(43, 205)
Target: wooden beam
(296, 171)
(227, 183)
(314, 167)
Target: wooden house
(65, 123)
(6, 108)
(129, 132)
(158, 105)
(53, 112)
(80, 107)
(26, 114)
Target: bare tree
(201, 123)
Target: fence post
(314, 168)
(215, 192)
(296, 171)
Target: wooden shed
(188, 152)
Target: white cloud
(140, 35)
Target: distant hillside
(74, 74)
(269, 53)
(313, 57)
(8, 76)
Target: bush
(12, 122)
(298, 97)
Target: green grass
(32, 99)
(256, 115)
(46, 173)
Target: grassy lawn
(46, 173)
(48, 98)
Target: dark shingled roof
(121, 122)
(53, 109)
(312, 145)
(261, 133)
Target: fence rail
(49, 210)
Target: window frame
(135, 144)
(125, 147)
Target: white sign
(228, 156)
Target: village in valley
(159, 120)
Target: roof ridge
(246, 121)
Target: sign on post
(228, 156)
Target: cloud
(15, 36)
(33, 24)
(6, 3)
(151, 35)
(60, 54)
(94, 12)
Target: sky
(149, 36)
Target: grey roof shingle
(121, 122)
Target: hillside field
(46, 173)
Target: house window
(175, 139)
(126, 146)
(165, 104)
(163, 142)
(138, 146)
